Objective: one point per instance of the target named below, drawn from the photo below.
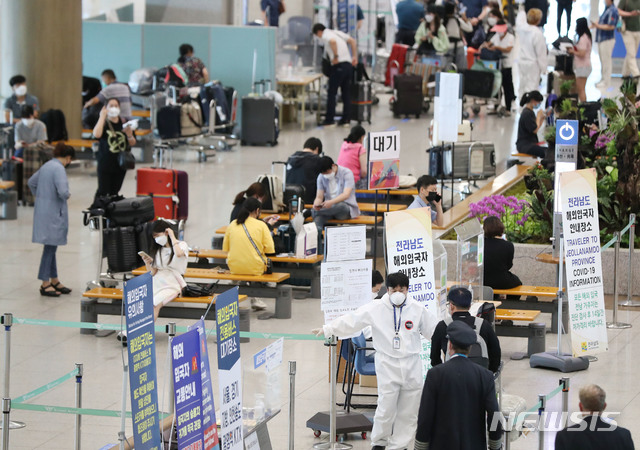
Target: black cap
(460, 334)
(460, 296)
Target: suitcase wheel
(475, 109)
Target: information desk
(295, 90)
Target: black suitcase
(361, 101)
(435, 161)
(260, 122)
(131, 211)
(289, 191)
(12, 171)
(590, 112)
(477, 83)
(408, 95)
(121, 249)
(168, 120)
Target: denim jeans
(48, 267)
(341, 75)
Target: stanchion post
(171, 330)
(632, 236)
(6, 410)
(7, 321)
(121, 434)
(333, 345)
(79, 375)
(541, 419)
(614, 324)
(507, 438)
(564, 381)
(292, 402)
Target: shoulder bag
(126, 160)
(267, 262)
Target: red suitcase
(169, 189)
(399, 55)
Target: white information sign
(384, 145)
(345, 243)
(251, 442)
(346, 286)
(583, 262)
(447, 108)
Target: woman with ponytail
(353, 156)
(529, 125)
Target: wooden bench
(141, 113)
(392, 192)
(250, 285)
(541, 298)
(523, 155)
(305, 268)
(517, 314)
(93, 304)
(4, 185)
(497, 185)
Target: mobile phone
(144, 255)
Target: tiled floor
(42, 354)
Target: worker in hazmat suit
(396, 323)
(532, 55)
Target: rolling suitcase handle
(284, 171)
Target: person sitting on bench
(336, 194)
(427, 187)
(302, 167)
(13, 105)
(29, 131)
(529, 125)
(498, 256)
(247, 242)
(167, 263)
(255, 190)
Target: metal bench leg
(245, 322)
(283, 302)
(315, 282)
(88, 314)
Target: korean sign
(583, 261)
(141, 348)
(384, 160)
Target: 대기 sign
(384, 160)
(229, 370)
(583, 262)
(141, 348)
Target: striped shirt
(121, 92)
(608, 17)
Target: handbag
(197, 290)
(326, 66)
(126, 160)
(266, 262)
(281, 8)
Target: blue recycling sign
(566, 132)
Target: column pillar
(42, 39)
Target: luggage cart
(482, 89)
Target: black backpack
(56, 125)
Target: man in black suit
(459, 400)
(593, 433)
(459, 303)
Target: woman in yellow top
(431, 36)
(242, 257)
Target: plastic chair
(363, 365)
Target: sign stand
(334, 422)
(614, 324)
(560, 361)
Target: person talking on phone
(428, 196)
(247, 242)
(167, 263)
(530, 123)
(114, 137)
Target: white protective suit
(399, 371)
(532, 56)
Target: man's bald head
(592, 398)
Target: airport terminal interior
(42, 353)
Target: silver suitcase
(469, 160)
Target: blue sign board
(229, 370)
(566, 132)
(187, 387)
(208, 408)
(138, 301)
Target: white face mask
(397, 298)
(374, 295)
(492, 21)
(161, 240)
(329, 176)
(113, 111)
(28, 122)
(21, 90)
(428, 18)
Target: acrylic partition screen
(470, 265)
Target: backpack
(478, 353)
(190, 119)
(171, 75)
(275, 193)
(56, 125)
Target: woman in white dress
(167, 263)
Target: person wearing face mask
(498, 256)
(113, 89)
(427, 187)
(167, 262)
(335, 194)
(51, 216)
(114, 138)
(529, 124)
(532, 55)
(501, 42)
(431, 36)
(459, 301)
(28, 131)
(396, 322)
(13, 105)
(353, 156)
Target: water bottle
(294, 204)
